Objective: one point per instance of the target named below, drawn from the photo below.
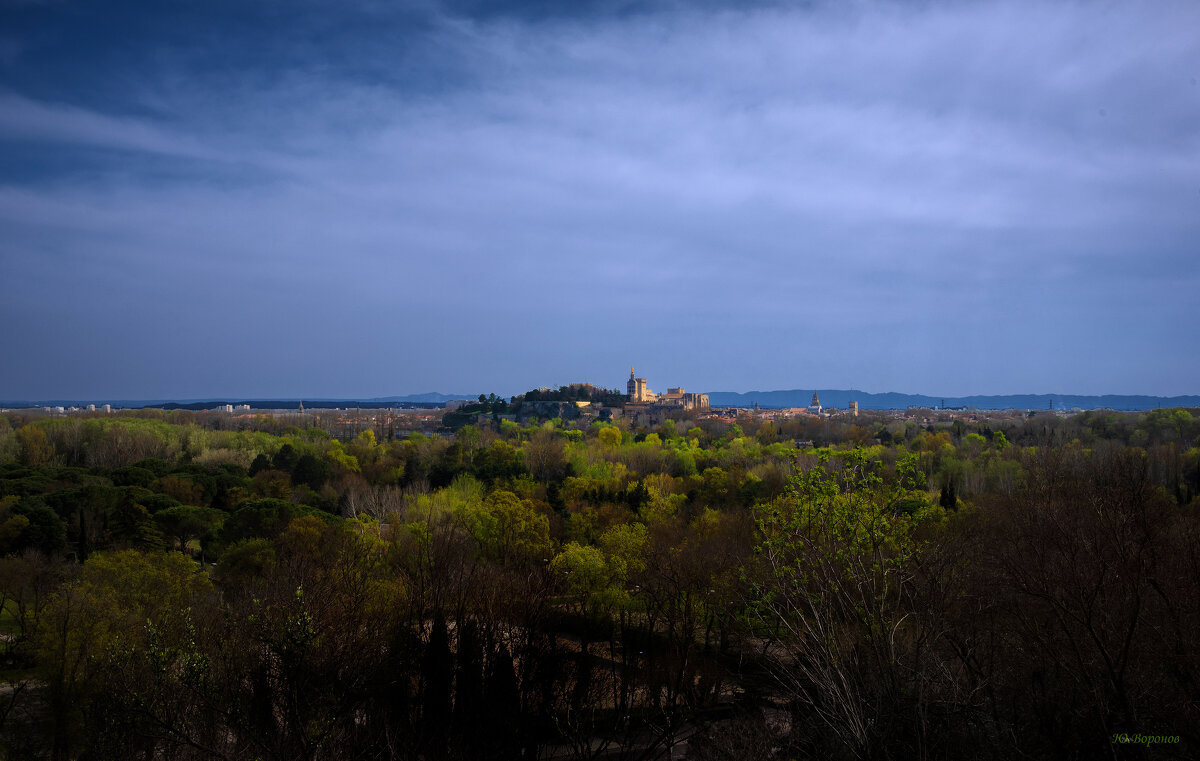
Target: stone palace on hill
(640, 393)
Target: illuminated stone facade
(640, 393)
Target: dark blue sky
(317, 199)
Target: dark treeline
(833, 588)
(575, 392)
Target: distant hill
(830, 398)
(840, 398)
(429, 396)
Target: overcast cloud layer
(305, 200)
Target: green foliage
(575, 392)
(337, 454)
(311, 471)
(11, 530)
(246, 559)
(183, 523)
(130, 525)
(132, 475)
(836, 527)
(30, 524)
(506, 528)
(624, 546)
(836, 563)
(36, 449)
(593, 583)
(263, 518)
(685, 463)
(127, 610)
(609, 436)
(599, 583)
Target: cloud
(794, 189)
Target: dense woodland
(178, 586)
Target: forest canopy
(839, 587)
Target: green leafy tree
(609, 437)
(186, 522)
(33, 525)
(36, 449)
(131, 526)
(125, 610)
(265, 518)
(506, 528)
(835, 563)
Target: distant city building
(91, 408)
(640, 393)
(854, 409)
(815, 407)
(638, 390)
(107, 408)
(226, 407)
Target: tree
(1085, 595)
(32, 525)
(503, 718)
(311, 471)
(180, 487)
(610, 437)
(470, 706)
(836, 564)
(185, 522)
(948, 499)
(587, 575)
(506, 528)
(545, 456)
(36, 449)
(131, 526)
(285, 459)
(246, 559)
(437, 674)
(101, 631)
(262, 518)
(27, 584)
(261, 463)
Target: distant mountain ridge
(428, 396)
(840, 399)
(830, 398)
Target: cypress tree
(437, 675)
(503, 706)
(468, 689)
